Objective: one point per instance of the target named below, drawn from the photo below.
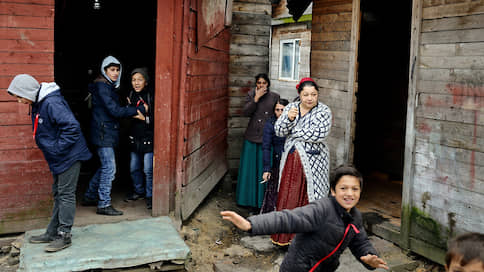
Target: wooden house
(184, 43)
(289, 50)
(405, 84)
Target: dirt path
(213, 240)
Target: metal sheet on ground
(123, 244)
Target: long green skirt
(250, 192)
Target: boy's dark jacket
(105, 113)
(141, 132)
(319, 227)
(58, 133)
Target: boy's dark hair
(466, 248)
(344, 170)
(111, 64)
(265, 77)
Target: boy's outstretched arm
(374, 261)
(237, 220)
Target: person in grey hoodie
(58, 135)
(106, 111)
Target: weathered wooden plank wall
(205, 114)
(448, 183)
(26, 46)
(286, 31)
(287, 88)
(249, 55)
(330, 61)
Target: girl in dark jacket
(272, 145)
(141, 138)
(324, 228)
(106, 111)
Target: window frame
(293, 77)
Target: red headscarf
(304, 80)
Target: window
(289, 59)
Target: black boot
(63, 240)
(43, 238)
(109, 210)
(133, 197)
(88, 202)
(149, 203)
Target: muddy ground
(214, 243)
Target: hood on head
(108, 60)
(25, 86)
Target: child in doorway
(272, 146)
(58, 135)
(466, 253)
(324, 228)
(141, 138)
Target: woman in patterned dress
(304, 173)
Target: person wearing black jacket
(141, 138)
(324, 228)
(104, 135)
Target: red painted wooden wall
(205, 109)
(26, 46)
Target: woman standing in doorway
(141, 138)
(259, 106)
(304, 175)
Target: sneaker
(43, 238)
(63, 240)
(149, 203)
(133, 197)
(109, 210)
(88, 201)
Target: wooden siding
(26, 46)
(204, 114)
(302, 31)
(330, 67)
(448, 167)
(249, 56)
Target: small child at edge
(466, 253)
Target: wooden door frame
(168, 105)
(408, 166)
(408, 170)
(352, 86)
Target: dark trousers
(64, 191)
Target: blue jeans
(101, 183)
(142, 163)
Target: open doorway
(383, 58)
(85, 32)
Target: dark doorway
(383, 58)
(85, 32)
